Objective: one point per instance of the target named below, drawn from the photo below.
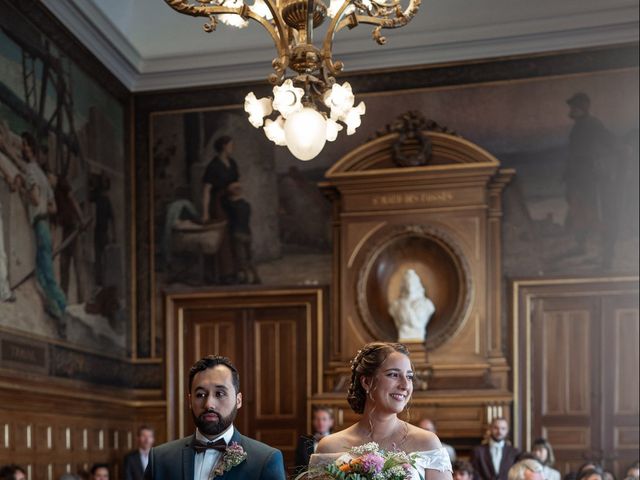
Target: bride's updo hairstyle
(366, 364)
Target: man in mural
(588, 174)
(41, 204)
(10, 173)
(71, 220)
(221, 172)
(6, 295)
(240, 230)
(104, 228)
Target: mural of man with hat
(587, 173)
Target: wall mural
(64, 266)
(223, 213)
(572, 208)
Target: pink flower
(372, 463)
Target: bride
(380, 389)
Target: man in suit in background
(430, 426)
(136, 462)
(493, 460)
(322, 422)
(216, 448)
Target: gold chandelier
(309, 106)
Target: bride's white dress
(437, 459)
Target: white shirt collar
(499, 444)
(226, 436)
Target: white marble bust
(412, 310)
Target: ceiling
(148, 46)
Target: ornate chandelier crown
(309, 106)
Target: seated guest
(69, 476)
(322, 423)
(493, 460)
(589, 466)
(462, 470)
(633, 471)
(527, 469)
(591, 474)
(136, 462)
(543, 452)
(12, 472)
(100, 471)
(430, 426)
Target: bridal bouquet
(368, 462)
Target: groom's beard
(216, 427)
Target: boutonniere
(233, 456)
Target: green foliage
(336, 473)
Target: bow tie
(220, 445)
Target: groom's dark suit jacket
(175, 460)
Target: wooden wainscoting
(274, 337)
(50, 427)
(577, 372)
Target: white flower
(274, 130)
(352, 119)
(343, 459)
(333, 128)
(370, 447)
(233, 19)
(339, 99)
(257, 109)
(287, 99)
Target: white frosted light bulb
(261, 9)
(335, 5)
(257, 109)
(352, 118)
(287, 98)
(306, 133)
(274, 130)
(333, 128)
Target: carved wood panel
(51, 431)
(579, 368)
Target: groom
(216, 449)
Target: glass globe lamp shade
(306, 133)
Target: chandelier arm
(334, 68)
(277, 30)
(400, 18)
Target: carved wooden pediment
(414, 143)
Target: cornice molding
(599, 28)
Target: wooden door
(272, 338)
(579, 350)
(566, 374)
(621, 387)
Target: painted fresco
(223, 213)
(64, 267)
(571, 209)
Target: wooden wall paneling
(621, 385)
(576, 368)
(65, 426)
(451, 207)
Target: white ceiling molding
(417, 46)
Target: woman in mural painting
(219, 176)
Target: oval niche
(441, 267)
